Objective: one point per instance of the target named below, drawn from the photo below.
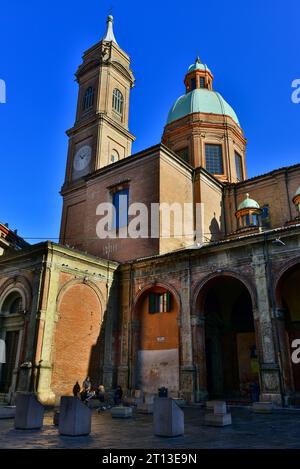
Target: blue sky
(252, 47)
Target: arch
(114, 156)
(88, 98)
(117, 101)
(204, 283)
(286, 268)
(79, 335)
(165, 285)
(225, 336)
(155, 341)
(19, 284)
(73, 282)
(287, 300)
(12, 327)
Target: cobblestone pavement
(249, 430)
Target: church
(206, 314)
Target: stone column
(187, 370)
(198, 334)
(285, 359)
(111, 311)
(48, 316)
(123, 331)
(269, 368)
(29, 327)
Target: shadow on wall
(103, 354)
(214, 229)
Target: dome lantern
(296, 199)
(248, 214)
(198, 76)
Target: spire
(109, 35)
(198, 61)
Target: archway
(12, 323)
(78, 338)
(156, 341)
(288, 301)
(229, 344)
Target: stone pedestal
(220, 406)
(217, 420)
(263, 407)
(29, 412)
(168, 418)
(74, 417)
(120, 412)
(216, 414)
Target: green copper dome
(248, 203)
(200, 100)
(198, 66)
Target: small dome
(200, 100)
(297, 192)
(198, 66)
(248, 203)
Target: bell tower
(100, 135)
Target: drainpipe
(130, 331)
(271, 296)
(224, 211)
(286, 178)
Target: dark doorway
(7, 368)
(289, 294)
(231, 360)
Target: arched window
(238, 166)
(88, 99)
(114, 156)
(117, 101)
(12, 303)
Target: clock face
(82, 158)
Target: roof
(198, 66)
(248, 203)
(200, 100)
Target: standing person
(76, 389)
(87, 384)
(118, 395)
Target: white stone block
(210, 405)
(168, 418)
(121, 412)
(29, 411)
(74, 417)
(263, 407)
(220, 407)
(217, 420)
(7, 412)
